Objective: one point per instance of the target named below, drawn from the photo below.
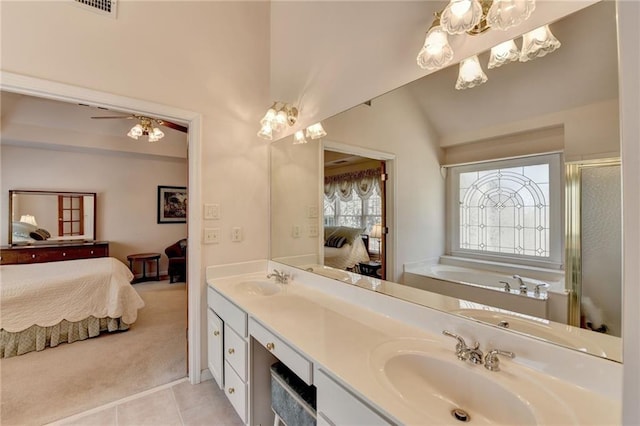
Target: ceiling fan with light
(147, 126)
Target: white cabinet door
(215, 350)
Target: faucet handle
(507, 286)
(491, 360)
(536, 291)
(461, 346)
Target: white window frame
(364, 204)
(556, 216)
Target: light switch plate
(312, 212)
(212, 235)
(312, 230)
(295, 231)
(236, 234)
(212, 211)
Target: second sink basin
(444, 390)
(259, 287)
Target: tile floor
(180, 404)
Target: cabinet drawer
(236, 391)
(338, 406)
(285, 353)
(230, 313)
(215, 347)
(235, 351)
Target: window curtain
(362, 182)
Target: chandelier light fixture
(277, 117)
(145, 127)
(316, 131)
(475, 17)
(299, 138)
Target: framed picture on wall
(172, 204)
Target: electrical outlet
(312, 212)
(295, 231)
(236, 234)
(212, 235)
(312, 230)
(212, 211)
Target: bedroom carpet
(40, 387)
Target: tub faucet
(280, 276)
(507, 286)
(523, 286)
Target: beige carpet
(40, 387)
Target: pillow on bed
(329, 231)
(335, 241)
(40, 234)
(350, 234)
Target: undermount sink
(444, 390)
(259, 287)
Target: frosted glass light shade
(136, 131)
(266, 132)
(503, 54)
(461, 16)
(155, 135)
(537, 43)
(436, 52)
(470, 74)
(268, 117)
(505, 14)
(298, 138)
(280, 121)
(316, 131)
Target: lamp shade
(436, 52)
(30, 219)
(505, 14)
(299, 138)
(470, 74)
(461, 16)
(316, 131)
(503, 54)
(537, 43)
(376, 231)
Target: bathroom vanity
(379, 360)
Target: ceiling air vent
(103, 7)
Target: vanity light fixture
(145, 128)
(277, 117)
(316, 131)
(475, 17)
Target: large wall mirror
(48, 217)
(426, 134)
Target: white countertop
(341, 337)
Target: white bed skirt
(36, 338)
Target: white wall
(208, 57)
(395, 125)
(126, 188)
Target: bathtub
(484, 287)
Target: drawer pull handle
(270, 346)
(231, 351)
(33, 256)
(216, 333)
(64, 254)
(91, 251)
(231, 390)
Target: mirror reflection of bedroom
(354, 213)
(93, 276)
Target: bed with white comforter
(43, 304)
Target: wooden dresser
(53, 252)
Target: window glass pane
(505, 210)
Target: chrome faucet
(280, 276)
(536, 291)
(507, 286)
(491, 360)
(464, 352)
(523, 286)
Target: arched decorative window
(507, 210)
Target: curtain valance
(362, 182)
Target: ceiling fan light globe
(157, 133)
